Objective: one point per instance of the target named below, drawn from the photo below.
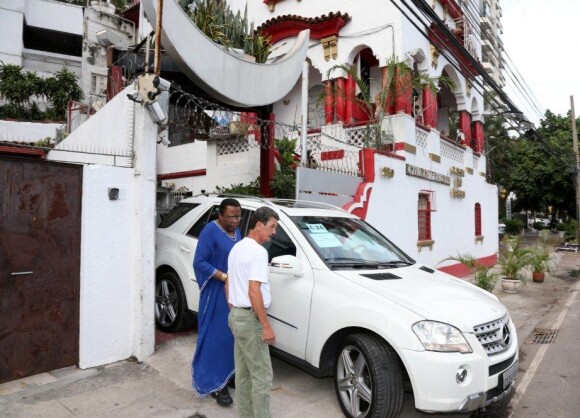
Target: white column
(145, 144)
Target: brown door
(40, 208)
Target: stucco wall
(117, 236)
(104, 138)
(11, 22)
(107, 287)
(26, 131)
(393, 204)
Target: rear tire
(171, 312)
(368, 379)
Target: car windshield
(346, 243)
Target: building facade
(492, 46)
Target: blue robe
(213, 361)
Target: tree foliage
(538, 166)
(30, 97)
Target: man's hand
(268, 335)
(255, 294)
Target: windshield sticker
(317, 228)
(325, 240)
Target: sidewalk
(161, 386)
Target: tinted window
(280, 244)
(210, 215)
(176, 214)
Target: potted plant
(484, 278)
(512, 261)
(539, 262)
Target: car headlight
(437, 336)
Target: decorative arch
(459, 92)
(475, 110)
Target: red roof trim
(30, 152)
(287, 26)
(181, 174)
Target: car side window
(213, 214)
(210, 215)
(280, 244)
(176, 214)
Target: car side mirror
(287, 264)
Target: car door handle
(21, 273)
(185, 249)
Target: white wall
(107, 133)
(179, 158)
(117, 237)
(48, 14)
(26, 131)
(54, 15)
(107, 286)
(394, 201)
(11, 22)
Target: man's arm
(203, 253)
(255, 293)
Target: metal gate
(40, 212)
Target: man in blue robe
(213, 361)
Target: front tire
(171, 312)
(368, 379)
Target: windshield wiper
(396, 263)
(348, 262)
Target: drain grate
(544, 336)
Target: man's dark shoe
(223, 397)
(232, 383)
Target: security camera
(134, 96)
(163, 137)
(161, 83)
(156, 112)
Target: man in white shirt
(249, 296)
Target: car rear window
(176, 214)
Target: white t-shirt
(247, 261)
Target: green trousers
(253, 365)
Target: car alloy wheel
(166, 303)
(368, 378)
(171, 312)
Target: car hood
(435, 296)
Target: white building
(425, 187)
(492, 45)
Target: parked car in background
(348, 303)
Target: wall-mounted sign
(457, 193)
(415, 171)
(456, 171)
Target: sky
(542, 37)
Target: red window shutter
(477, 220)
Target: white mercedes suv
(346, 302)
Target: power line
(531, 132)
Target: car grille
(495, 336)
(501, 366)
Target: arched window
(316, 116)
(477, 220)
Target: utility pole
(158, 27)
(577, 170)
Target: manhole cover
(544, 336)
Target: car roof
(289, 206)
